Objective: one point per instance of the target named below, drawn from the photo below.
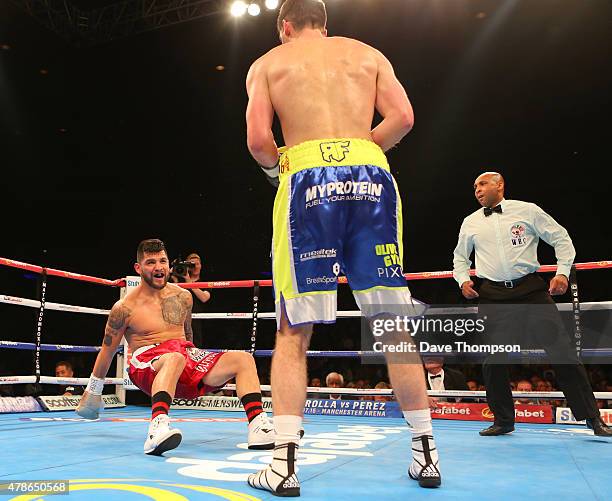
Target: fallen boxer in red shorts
(155, 319)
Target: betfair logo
(335, 151)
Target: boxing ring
(348, 456)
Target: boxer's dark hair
(149, 246)
(302, 13)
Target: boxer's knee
(294, 339)
(244, 362)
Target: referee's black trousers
(527, 315)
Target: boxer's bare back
(324, 87)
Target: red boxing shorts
(189, 385)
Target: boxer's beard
(150, 281)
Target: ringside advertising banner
(359, 408)
(481, 412)
(363, 408)
(213, 403)
(19, 404)
(565, 416)
(61, 403)
(372, 408)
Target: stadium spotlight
(239, 8)
(254, 9)
(271, 4)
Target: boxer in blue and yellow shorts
(337, 211)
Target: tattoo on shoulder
(175, 309)
(118, 316)
(186, 297)
(116, 321)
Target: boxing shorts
(337, 211)
(190, 385)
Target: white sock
(419, 422)
(287, 430)
(423, 446)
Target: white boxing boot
(160, 437)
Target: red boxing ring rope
(231, 284)
(59, 273)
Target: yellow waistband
(331, 153)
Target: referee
(515, 301)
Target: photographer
(188, 271)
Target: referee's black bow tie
(488, 211)
(434, 377)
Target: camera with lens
(181, 269)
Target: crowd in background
(350, 373)
(339, 374)
(524, 378)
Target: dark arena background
(125, 120)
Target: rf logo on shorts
(335, 151)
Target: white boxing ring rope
(120, 381)
(32, 303)
(600, 395)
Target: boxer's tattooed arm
(175, 308)
(116, 324)
(188, 327)
(188, 302)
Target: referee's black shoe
(496, 429)
(599, 428)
